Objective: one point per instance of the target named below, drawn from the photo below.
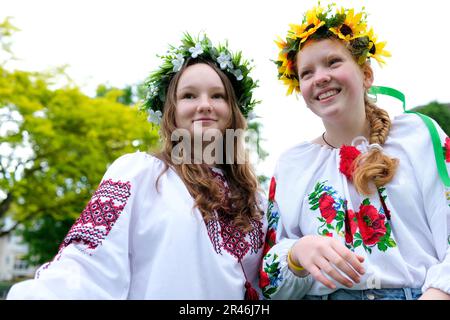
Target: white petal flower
(251, 115)
(178, 62)
(196, 51)
(238, 74)
(155, 117)
(225, 61)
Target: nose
(322, 77)
(204, 104)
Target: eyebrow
(190, 87)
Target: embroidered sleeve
(437, 205)
(276, 280)
(93, 259)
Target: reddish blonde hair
(374, 166)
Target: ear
(368, 76)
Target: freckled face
(331, 82)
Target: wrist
(293, 264)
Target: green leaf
(357, 243)
(313, 195)
(270, 291)
(391, 243)
(315, 207)
(382, 246)
(366, 202)
(339, 226)
(357, 236)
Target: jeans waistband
(370, 294)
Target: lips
(327, 93)
(204, 119)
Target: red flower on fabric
(270, 240)
(371, 224)
(348, 155)
(327, 210)
(328, 234)
(263, 279)
(272, 188)
(447, 149)
(350, 226)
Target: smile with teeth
(328, 94)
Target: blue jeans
(370, 294)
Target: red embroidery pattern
(223, 234)
(99, 216)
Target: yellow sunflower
(376, 49)
(353, 26)
(308, 27)
(292, 84)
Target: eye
(187, 96)
(218, 96)
(334, 61)
(305, 74)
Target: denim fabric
(371, 294)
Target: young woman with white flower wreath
(157, 228)
(360, 212)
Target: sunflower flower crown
(321, 23)
(232, 64)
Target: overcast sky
(116, 42)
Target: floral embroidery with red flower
(371, 224)
(272, 188)
(270, 240)
(326, 206)
(351, 225)
(263, 279)
(348, 155)
(447, 149)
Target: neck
(342, 133)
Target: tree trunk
(5, 204)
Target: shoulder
(134, 165)
(303, 156)
(410, 130)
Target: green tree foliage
(439, 112)
(55, 145)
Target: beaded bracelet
(291, 264)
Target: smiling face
(201, 100)
(332, 83)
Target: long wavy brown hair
(242, 206)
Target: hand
(434, 294)
(319, 254)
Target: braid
(380, 123)
(374, 166)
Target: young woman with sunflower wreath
(360, 212)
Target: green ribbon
(438, 154)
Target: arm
(437, 208)
(92, 262)
(277, 281)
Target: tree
(55, 145)
(439, 112)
